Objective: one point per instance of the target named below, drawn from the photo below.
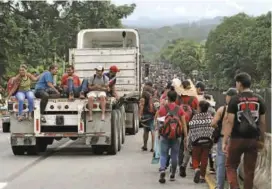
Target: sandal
(20, 118)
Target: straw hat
(186, 92)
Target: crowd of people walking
(184, 125)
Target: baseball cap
(231, 92)
(114, 69)
(99, 68)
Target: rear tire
(123, 121)
(98, 149)
(119, 129)
(137, 125)
(18, 150)
(113, 148)
(6, 127)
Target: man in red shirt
(188, 96)
(173, 144)
(71, 84)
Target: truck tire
(6, 127)
(32, 150)
(98, 149)
(119, 129)
(18, 150)
(40, 147)
(123, 121)
(113, 148)
(136, 109)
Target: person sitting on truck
(21, 88)
(45, 88)
(98, 86)
(112, 80)
(70, 83)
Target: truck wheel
(98, 149)
(6, 127)
(136, 109)
(119, 129)
(123, 121)
(18, 150)
(113, 148)
(32, 150)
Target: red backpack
(172, 127)
(187, 107)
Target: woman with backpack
(147, 114)
(22, 90)
(170, 134)
(200, 140)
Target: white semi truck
(67, 119)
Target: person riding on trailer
(112, 80)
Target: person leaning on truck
(112, 81)
(45, 88)
(71, 84)
(98, 86)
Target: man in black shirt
(240, 143)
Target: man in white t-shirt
(98, 86)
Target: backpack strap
(94, 76)
(104, 80)
(223, 113)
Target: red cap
(114, 69)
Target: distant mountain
(154, 38)
(146, 22)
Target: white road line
(3, 185)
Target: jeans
(21, 95)
(166, 145)
(220, 165)
(235, 149)
(44, 95)
(184, 155)
(76, 90)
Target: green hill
(152, 40)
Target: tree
(39, 34)
(239, 44)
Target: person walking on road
(218, 121)
(170, 134)
(244, 131)
(200, 140)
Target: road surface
(66, 165)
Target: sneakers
(212, 171)
(172, 177)
(182, 171)
(197, 176)
(162, 177)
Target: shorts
(96, 94)
(149, 123)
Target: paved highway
(68, 165)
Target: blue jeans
(166, 145)
(21, 96)
(220, 165)
(76, 90)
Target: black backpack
(248, 126)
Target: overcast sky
(156, 9)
